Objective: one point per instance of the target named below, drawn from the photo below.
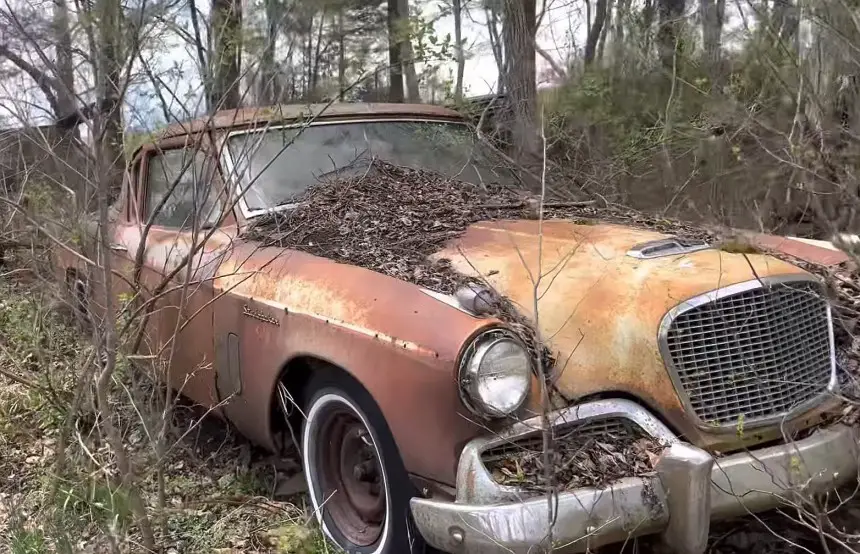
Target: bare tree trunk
(309, 58)
(63, 48)
(607, 26)
(109, 92)
(315, 74)
(648, 11)
(594, 32)
(412, 92)
(226, 16)
(341, 57)
(202, 54)
(457, 8)
(712, 14)
(270, 92)
(786, 20)
(395, 51)
(491, 10)
(588, 14)
(622, 11)
(671, 12)
(520, 75)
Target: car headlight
(495, 374)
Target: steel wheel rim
(350, 477)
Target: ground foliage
(222, 494)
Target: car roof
(245, 117)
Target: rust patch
(599, 309)
(810, 253)
(287, 113)
(400, 343)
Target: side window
(189, 174)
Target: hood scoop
(671, 246)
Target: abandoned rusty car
(403, 399)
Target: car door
(181, 208)
(123, 232)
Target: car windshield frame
(231, 174)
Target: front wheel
(358, 486)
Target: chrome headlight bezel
(468, 379)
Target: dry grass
(219, 488)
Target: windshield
(278, 165)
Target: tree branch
(45, 82)
(557, 69)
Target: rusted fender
(400, 343)
(811, 251)
(599, 309)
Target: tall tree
(712, 13)
(200, 49)
(395, 53)
(786, 18)
(61, 29)
(622, 9)
(412, 90)
(648, 11)
(671, 13)
(110, 64)
(595, 31)
(518, 32)
(459, 54)
(270, 89)
(341, 54)
(226, 52)
(54, 77)
(607, 26)
(493, 13)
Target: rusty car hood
(599, 309)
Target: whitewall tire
(358, 487)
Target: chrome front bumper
(689, 489)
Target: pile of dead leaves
(577, 462)
(391, 218)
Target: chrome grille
(598, 428)
(754, 354)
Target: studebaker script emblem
(248, 311)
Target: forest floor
(222, 494)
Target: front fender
(411, 377)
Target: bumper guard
(690, 489)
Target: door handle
(119, 247)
